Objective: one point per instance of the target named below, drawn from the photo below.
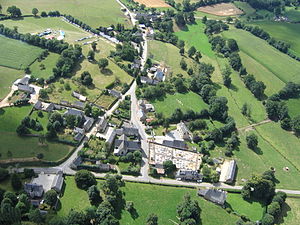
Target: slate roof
(78, 137)
(38, 105)
(88, 123)
(34, 190)
(58, 182)
(25, 88)
(115, 93)
(175, 144)
(189, 175)
(74, 112)
(231, 171)
(213, 195)
(128, 131)
(102, 124)
(78, 104)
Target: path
(250, 127)
(5, 101)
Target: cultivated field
(222, 9)
(37, 25)
(17, 54)
(153, 3)
(50, 62)
(93, 12)
(7, 77)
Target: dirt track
(153, 3)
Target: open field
(283, 66)
(294, 107)
(24, 147)
(292, 14)
(40, 24)
(153, 3)
(291, 212)
(92, 12)
(222, 9)
(287, 32)
(245, 7)
(49, 63)
(168, 55)
(194, 36)
(7, 77)
(17, 54)
(188, 101)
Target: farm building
(213, 195)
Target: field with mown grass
(291, 212)
(37, 69)
(292, 14)
(7, 77)
(14, 146)
(280, 64)
(245, 7)
(294, 107)
(17, 54)
(187, 101)
(39, 24)
(92, 12)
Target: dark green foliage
(86, 78)
(252, 141)
(152, 219)
(267, 219)
(3, 174)
(188, 210)
(169, 167)
(16, 182)
(76, 218)
(94, 195)
(218, 108)
(50, 197)
(84, 179)
(12, 196)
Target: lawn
(14, 146)
(291, 212)
(168, 55)
(92, 12)
(105, 101)
(245, 7)
(49, 63)
(287, 32)
(254, 210)
(17, 54)
(7, 77)
(293, 106)
(39, 24)
(194, 35)
(188, 101)
(6, 184)
(280, 64)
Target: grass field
(293, 14)
(291, 212)
(293, 106)
(284, 67)
(185, 102)
(40, 24)
(194, 36)
(16, 54)
(24, 147)
(92, 12)
(245, 7)
(167, 55)
(287, 32)
(7, 77)
(254, 210)
(49, 63)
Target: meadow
(24, 147)
(245, 7)
(17, 54)
(280, 64)
(7, 77)
(187, 101)
(292, 14)
(291, 212)
(92, 12)
(293, 106)
(39, 24)
(49, 62)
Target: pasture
(291, 212)
(14, 146)
(245, 7)
(222, 9)
(35, 25)
(280, 64)
(7, 77)
(17, 54)
(37, 69)
(293, 106)
(292, 14)
(187, 101)
(92, 12)
(153, 3)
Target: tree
(16, 182)
(246, 110)
(188, 209)
(12, 196)
(267, 219)
(0, 8)
(91, 55)
(181, 51)
(43, 94)
(35, 11)
(129, 206)
(183, 64)
(44, 14)
(14, 11)
(76, 218)
(296, 124)
(198, 56)
(152, 219)
(274, 209)
(218, 108)
(169, 167)
(252, 141)
(84, 179)
(86, 78)
(192, 51)
(95, 112)
(50, 197)
(226, 76)
(94, 195)
(103, 63)
(3, 174)
(94, 46)
(179, 19)
(104, 214)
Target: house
(128, 131)
(58, 182)
(38, 105)
(142, 115)
(65, 103)
(213, 195)
(149, 108)
(88, 123)
(159, 75)
(25, 88)
(78, 105)
(78, 137)
(189, 175)
(34, 190)
(25, 80)
(228, 170)
(103, 167)
(111, 137)
(115, 93)
(50, 107)
(102, 125)
(123, 146)
(79, 96)
(76, 162)
(175, 144)
(74, 112)
(183, 131)
(147, 80)
(136, 64)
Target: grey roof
(213, 195)
(175, 144)
(123, 144)
(128, 131)
(159, 75)
(75, 94)
(74, 112)
(231, 171)
(58, 182)
(147, 80)
(115, 93)
(76, 162)
(24, 80)
(50, 107)
(78, 130)
(34, 190)
(78, 137)
(38, 105)
(102, 124)
(88, 123)
(111, 138)
(64, 102)
(189, 175)
(25, 88)
(78, 104)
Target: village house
(115, 93)
(79, 96)
(213, 195)
(228, 171)
(189, 175)
(88, 123)
(183, 131)
(123, 146)
(175, 144)
(78, 105)
(25, 88)
(102, 125)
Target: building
(142, 115)
(136, 64)
(102, 125)
(58, 182)
(74, 112)
(189, 175)
(88, 123)
(128, 131)
(25, 80)
(175, 144)
(159, 75)
(78, 134)
(123, 146)
(115, 93)
(79, 96)
(183, 131)
(25, 88)
(147, 80)
(50, 107)
(111, 137)
(78, 105)
(213, 195)
(228, 171)
(76, 162)
(34, 190)
(38, 105)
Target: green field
(292, 14)
(245, 7)
(92, 12)
(7, 77)
(168, 55)
(49, 63)
(24, 147)
(291, 212)
(39, 24)
(194, 36)
(157, 199)
(287, 32)
(293, 106)
(17, 54)
(188, 101)
(281, 65)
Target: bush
(84, 179)
(50, 197)
(3, 174)
(16, 182)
